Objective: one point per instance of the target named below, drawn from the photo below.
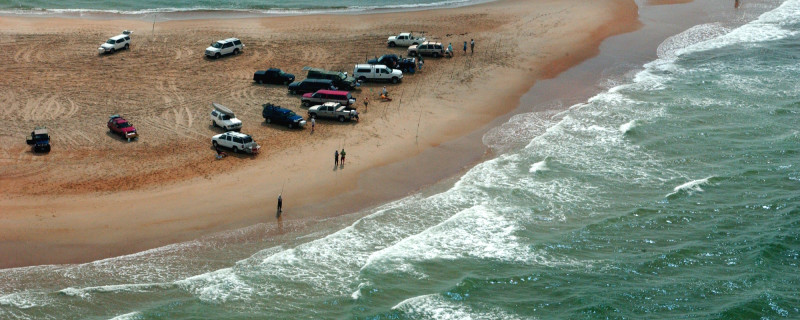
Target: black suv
(389, 60)
(273, 76)
(310, 85)
(340, 79)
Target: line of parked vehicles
(325, 93)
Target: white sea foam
(539, 166)
(690, 187)
(628, 126)
(132, 287)
(434, 306)
(219, 286)
(128, 316)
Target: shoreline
(170, 14)
(81, 230)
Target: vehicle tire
(260, 81)
(113, 50)
(392, 44)
(235, 52)
(285, 82)
(214, 143)
(217, 55)
(127, 46)
(292, 92)
(362, 78)
(235, 149)
(435, 54)
(394, 79)
(213, 124)
(341, 118)
(313, 115)
(412, 53)
(415, 43)
(291, 125)
(269, 120)
(306, 104)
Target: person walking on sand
(336, 158)
(384, 93)
(421, 63)
(471, 46)
(449, 50)
(366, 104)
(343, 154)
(465, 48)
(280, 205)
(313, 123)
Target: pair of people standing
(471, 47)
(336, 155)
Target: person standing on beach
(366, 104)
(336, 158)
(736, 4)
(342, 153)
(280, 205)
(472, 45)
(449, 49)
(420, 64)
(313, 123)
(465, 48)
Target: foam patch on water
(23, 300)
(539, 166)
(690, 187)
(129, 316)
(770, 26)
(628, 126)
(668, 50)
(434, 306)
(477, 233)
(219, 286)
(86, 292)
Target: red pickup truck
(117, 124)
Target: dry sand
(97, 196)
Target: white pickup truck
(333, 110)
(376, 72)
(404, 40)
(224, 118)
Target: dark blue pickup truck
(276, 114)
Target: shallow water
(672, 195)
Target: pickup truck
(273, 113)
(340, 79)
(404, 39)
(273, 76)
(117, 124)
(333, 110)
(39, 140)
(377, 72)
(224, 118)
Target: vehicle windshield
(283, 74)
(247, 139)
(226, 117)
(40, 137)
(111, 41)
(342, 76)
(123, 125)
(291, 114)
(217, 45)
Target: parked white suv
(224, 118)
(224, 47)
(404, 40)
(377, 72)
(236, 141)
(118, 42)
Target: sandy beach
(97, 196)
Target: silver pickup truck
(333, 110)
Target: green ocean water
(673, 195)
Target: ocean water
(257, 6)
(673, 195)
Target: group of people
(336, 155)
(449, 51)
